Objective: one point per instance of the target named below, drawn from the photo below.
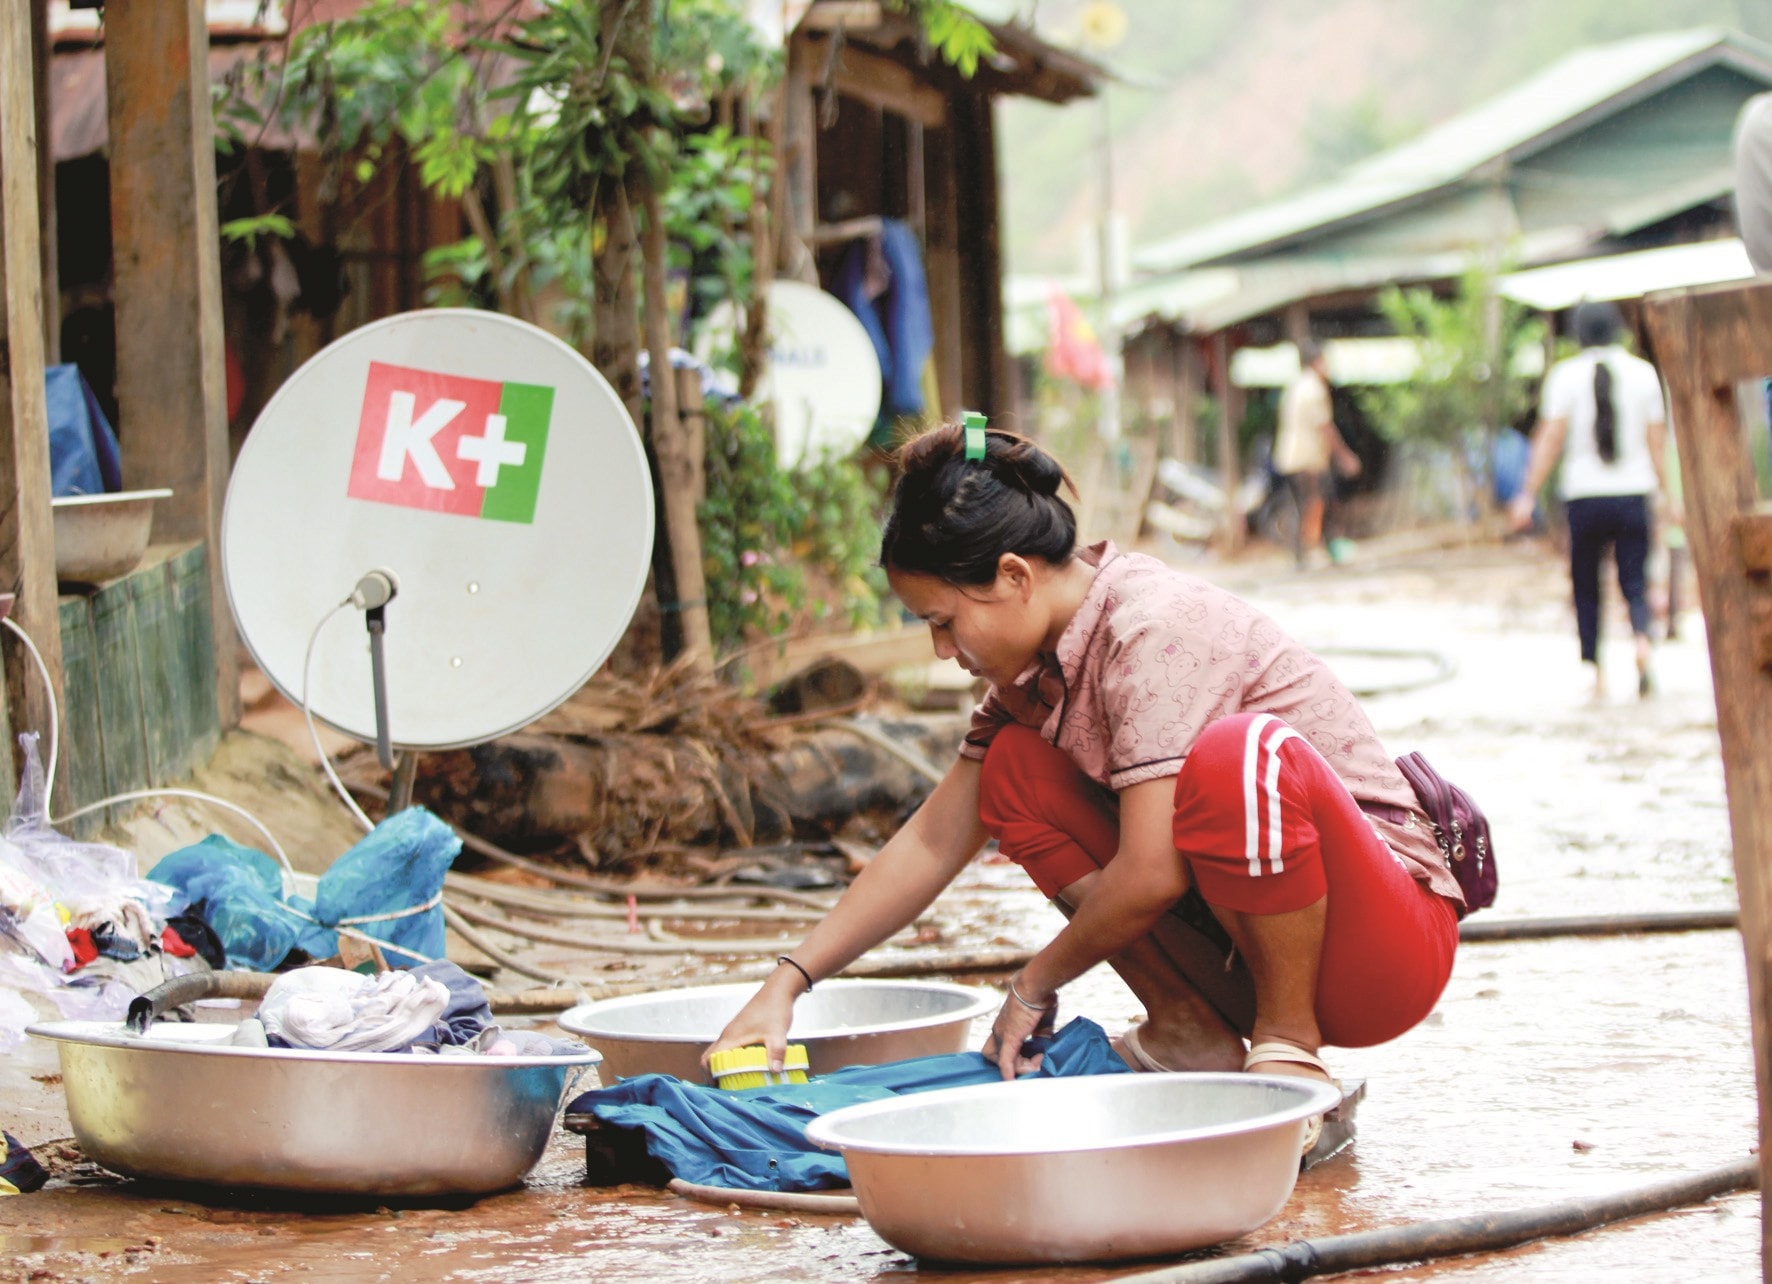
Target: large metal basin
(178, 1105)
(842, 1023)
(1094, 1168)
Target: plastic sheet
(48, 879)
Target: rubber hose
(1528, 929)
(1456, 1236)
(147, 1008)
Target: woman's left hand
(1016, 1023)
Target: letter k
(402, 438)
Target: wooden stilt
(27, 532)
(1708, 345)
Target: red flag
(1073, 352)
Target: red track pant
(1265, 827)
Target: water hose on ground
(1456, 1236)
(553, 905)
(1531, 929)
(466, 931)
(1443, 668)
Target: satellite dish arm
(372, 595)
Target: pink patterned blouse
(1153, 655)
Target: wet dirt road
(1550, 1068)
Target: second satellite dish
(824, 375)
(491, 473)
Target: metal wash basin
(1093, 1168)
(842, 1023)
(179, 1104)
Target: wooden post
(27, 532)
(171, 381)
(1185, 438)
(796, 173)
(43, 49)
(1706, 344)
(1229, 413)
(943, 265)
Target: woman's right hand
(764, 1019)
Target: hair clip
(974, 435)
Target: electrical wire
(307, 671)
(282, 856)
(54, 716)
(55, 749)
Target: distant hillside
(1255, 98)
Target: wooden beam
(171, 380)
(886, 84)
(27, 531)
(1707, 343)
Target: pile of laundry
(78, 925)
(435, 1009)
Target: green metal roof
(1489, 144)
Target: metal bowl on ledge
(99, 537)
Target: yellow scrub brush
(749, 1067)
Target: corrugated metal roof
(1558, 102)
(1629, 276)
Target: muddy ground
(1550, 1069)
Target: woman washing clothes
(1603, 416)
(1201, 797)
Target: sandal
(1141, 1060)
(1266, 1053)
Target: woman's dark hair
(953, 517)
(1597, 325)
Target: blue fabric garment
(898, 322)
(755, 1139)
(468, 1013)
(20, 1173)
(83, 456)
(910, 330)
(1509, 458)
(397, 865)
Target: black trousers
(1620, 522)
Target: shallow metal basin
(179, 1105)
(1094, 1168)
(842, 1023)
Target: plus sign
(491, 451)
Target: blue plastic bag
(397, 868)
(83, 456)
(241, 896)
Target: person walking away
(1203, 799)
(1603, 417)
(1307, 447)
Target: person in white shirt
(1306, 447)
(1602, 414)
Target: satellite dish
(824, 375)
(491, 474)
